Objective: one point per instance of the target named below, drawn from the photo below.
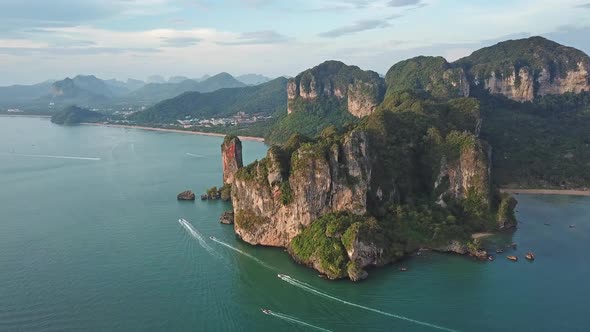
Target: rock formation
(527, 68)
(469, 175)
(227, 218)
(231, 156)
(360, 91)
(319, 182)
(186, 196)
(433, 75)
(314, 199)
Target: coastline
(24, 116)
(570, 192)
(243, 138)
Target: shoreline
(24, 116)
(569, 192)
(202, 133)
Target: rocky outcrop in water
(231, 156)
(227, 218)
(186, 196)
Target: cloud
(404, 3)
(180, 41)
(358, 26)
(257, 38)
(24, 51)
(584, 5)
(256, 3)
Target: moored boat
(512, 258)
(490, 258)
(530, 256)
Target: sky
(53, 39)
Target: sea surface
(90, 241)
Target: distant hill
(14, 95)
(90, 91)
(74, 115)
(80, 90)
(177, 79)
(155, 92)
(253, 79)
(120, 87)
(268, 98)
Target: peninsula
(396, 164)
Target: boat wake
(315, 291)
(50, 156)
(195, 155)
(242, 253)
(196, 235)
(294, 320)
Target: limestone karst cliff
(231, 157)
(527, 68)
(347, 200)
(357, 91)
(277, 197)
(433, 75)
(520, 70)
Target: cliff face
(526, 85)
(468, 176)
(360, 91)
(231, 156)
(321, 180)
(524, 69)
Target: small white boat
(266, 311)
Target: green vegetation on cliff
(320, 98)
(75, 115)
(544, 144)
(329, 111)
(433, 75)
(321, 242)
(333, 78)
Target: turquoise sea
(92, 242)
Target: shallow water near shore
(90, 240)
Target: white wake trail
(195, 234)
(195, 155)
(296, 321)
(242, 253)
(50, 156)
(315, 291)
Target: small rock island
(186, 196)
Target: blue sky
(41, 39)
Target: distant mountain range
(90, 91)
(155, 92)
(253, 79)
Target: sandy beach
(243, 138)
(548, 192)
